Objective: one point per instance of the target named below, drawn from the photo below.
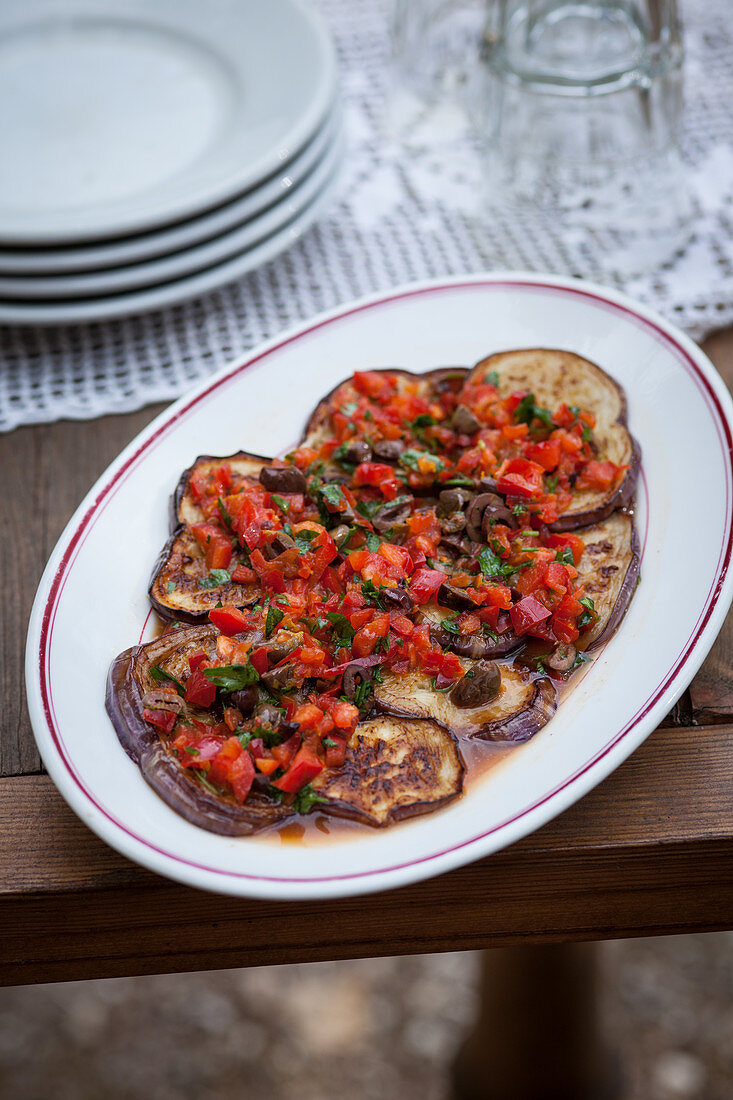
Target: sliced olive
(355, 675)
(356, 451)
(279, 544)
(398, 599)
(389, 450)
(282, 479)
(463, 420)
(267, 715)
(479, 685)
(482, 511)
(245, 700)
(390, 514)
(474, 645)
(455, 598)
(452, 500)
(280, 679)
(452, 524)
(562, 658)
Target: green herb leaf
(281, 503)
(171, 586)
(565, 556)
(342, 630)
(161, 676)
(527, 411)
(373, 541)
(200, 775)
(590, 614)
(451, 626)
(215, 578)
(232, 677)
(436, 688)
(349, 408)
(492, 378)
(306, 799)
(329, 742)
(491, 564)
(551, 483)
(424, 420)
(411, 457)
(273, 620)
(371, 594)
(224, 513)
(459, 482)
(332, 494)
(368, 508)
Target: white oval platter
(91, 602)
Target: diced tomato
(380, 476)
(266, 764)
(308, 716)
(528, 613)
(520, 478)
(215, 544)
(232, 717)
(242, 574)
(424, 583)
(559, 542)
(345, 716)
(447, 665)
(199, 690)
(259, 659)
(336, 753)
(163, 720)
(366, 639)
(196, 659)
(305, 767)
(284, 753)
(229, 620)
(241, 774)
(545, 454)
(597, 475)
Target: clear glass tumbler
(581, 118)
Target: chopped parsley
(209, 786)
(306, 799)
(451, 625)
(491, 378)
(373, 541)
(281, 503)
(411, 458)
(274, 617)
(215, 578)
(332, 494)
(161, 675)
(551, 483)
(590, 614)
(565, 556)
(341, 629)
(224, 513)
(171, 586)
(527, 411)
(371, 594)
(424, 420)
(491, 564)
(349, 408)
(232, 677)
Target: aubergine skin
(609, 571)
(126, 684)
(181, 563)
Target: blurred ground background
(370, 1030)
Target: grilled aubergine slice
(431, 382)
(181, 587)
(609, 570)
(556, 377)
(513, 712)
(394, 768)
(130, 681)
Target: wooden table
(649, 851)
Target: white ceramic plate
(234, 242)
(118, 116)
(75, 311)
(146, 246)
(91, 602)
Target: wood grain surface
(648, 851)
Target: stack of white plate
(151, 150)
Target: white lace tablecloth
(397, 219)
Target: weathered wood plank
(648, 851)
(46, 472)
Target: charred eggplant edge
(621, 498)
(141, 743)
(625, 596)
(180, 489)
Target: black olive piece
(282, 479)
(454, 546)
(356, 451)
(487, 485)
(388, 450)
(340, 534)
(473, 645)
(278, 545)
(267, 715)
(452, 500)
(280, 679)
(390, 514)
(463, 420)
(245, 700)
(454, 598)
(562, 658)
(479, 685)
(398, 599)
(484, 508)
(355, 675)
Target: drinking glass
(580, 121)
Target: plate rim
(522, 822)
(163, 213)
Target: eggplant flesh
(395, 768)
(556, 377)
(244, 467)
(524, 704)
(177, 591)
(466, 645)
(129, 680)
(609, 572)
